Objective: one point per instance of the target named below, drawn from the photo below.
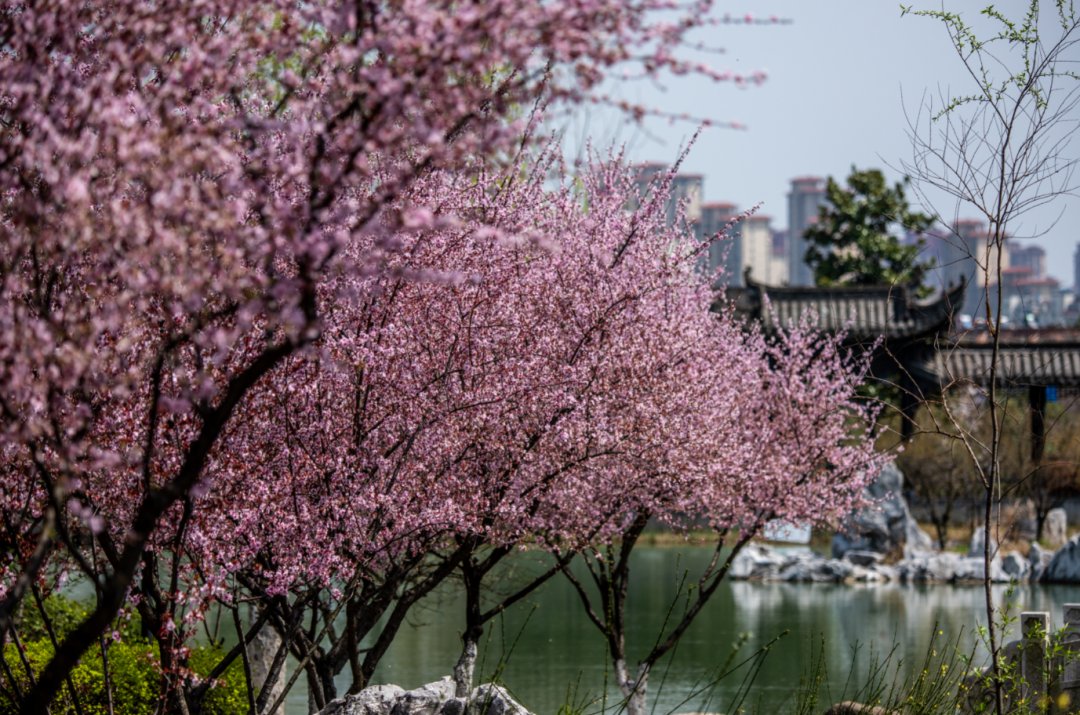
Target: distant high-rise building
(728, 252)
(757, 248)
(937, 248)
(977, 260)
(806, 196)
(645, 174)
(968, 235)
(686, 190)
(778, 260)
(1076, 271)
(685, 193)
(1033, 258)
(1030, 300)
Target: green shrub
(64, 614)
(229, 694)
(133, 668)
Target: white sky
(840, 77)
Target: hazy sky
(840, 78)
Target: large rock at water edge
(886, 526)
(1064, 567)
(758, 562)
(864, 558)
(811, 568)
(949, 568)
(375, 700)
(1039, 558)
(432, 699)
(491, 699)
(1018, 567)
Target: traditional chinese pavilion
(914, 344)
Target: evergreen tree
(855, 241)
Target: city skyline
(827, 106)
(1030, 296)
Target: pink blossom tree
(178, 179)
(800, 451)
(737, 429)
(560, 392)
(484, 413)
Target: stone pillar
(1034, 685)
(261, 652)
(1070, 642)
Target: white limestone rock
(1039, 558)
(877, 574)
(864, 558)
(948, 568)
(1056, 528)
(757, 562)
(375, 700)
(887, 525)
(432, 699)
(972, 569)
(762, 563)
(489, 699)
(978, 543)
(427, 699)
(815, 569)
(1018, 567)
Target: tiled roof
(1026, 358)
(864, 312)
(1019, 365)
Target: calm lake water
(548, 653)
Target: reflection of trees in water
(555, 646)
(875, 618)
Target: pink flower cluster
(565, 374)
(285, 298)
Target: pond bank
(547, 653)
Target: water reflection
(545, 646)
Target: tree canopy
(855, 239)
(295, 315)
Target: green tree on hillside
(855, 241)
